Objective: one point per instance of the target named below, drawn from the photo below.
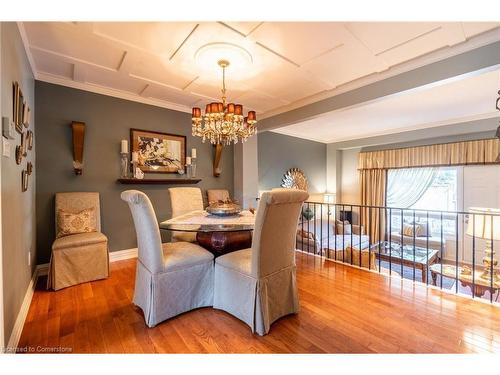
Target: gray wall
(108, 120)
(18, 208)
(278, 153)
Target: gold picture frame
(158, 152)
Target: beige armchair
(258, 285)
(215, 195)
(81, 257)
(184, 200)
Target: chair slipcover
(258, 285)
(182, 201)
(215, 195)
(78, 258)
(171, 278)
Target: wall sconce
(78, 137)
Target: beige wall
(18, 208)
(349, 180)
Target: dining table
(218, 234)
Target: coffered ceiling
(291, 62)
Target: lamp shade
(484, 223)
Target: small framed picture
(26, 115)
(15, 107)
(24, 180)
(29, 168)
(20, 110)
(29, 139)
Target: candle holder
(193, 167)
(124, 167)
(189, 171)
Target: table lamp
(485, 223)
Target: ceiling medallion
(223, 123)
(294, 178)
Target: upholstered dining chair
(80, 250)
(215, 195)
(171, 278)
(258, 285)
(184, 200)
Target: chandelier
(223, 123)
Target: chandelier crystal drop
(223, 123)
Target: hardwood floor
(343, 310)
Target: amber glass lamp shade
(207, 109)
(230, 108)
(220, 107)
(214, 107)
(252, 118)
(196, 112)
(238, 109)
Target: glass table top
(394, 250)
(206, 227)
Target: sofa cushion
(81, 239)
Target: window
(417, 189)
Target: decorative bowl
(223, 209)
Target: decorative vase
(124, 169)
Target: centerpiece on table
(224, 208)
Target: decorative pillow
(420, 230)
(305, 234)
(347, 228)
(82, 222)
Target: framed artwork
(17, 106)
(29, 139)
(158, 152)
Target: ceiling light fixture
(223, 123)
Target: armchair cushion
(77, 240)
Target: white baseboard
(23, 312)
(43, 270)
(115, 256)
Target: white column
(246, 172)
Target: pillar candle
(135, 157)
(193, 153)
(124, 146)
(188, 160)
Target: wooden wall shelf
(159, 181)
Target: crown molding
(85, 86)
(24, 38)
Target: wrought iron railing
(427, 246)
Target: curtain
(407, 185)
(458, 153)
(373, 188)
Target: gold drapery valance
(482, 151)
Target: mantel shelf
(158, 181)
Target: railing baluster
(473, 256)
(308, 230)
(352, 223)
(342, 217)
(379, 242)
(414, 246)
(441, 247)
(401, 250)
(315, 225)
(328, 230)
(359, 236)
(390, 241)
(456, 255)
(369, 232)
(427, 248)
(491, 260)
